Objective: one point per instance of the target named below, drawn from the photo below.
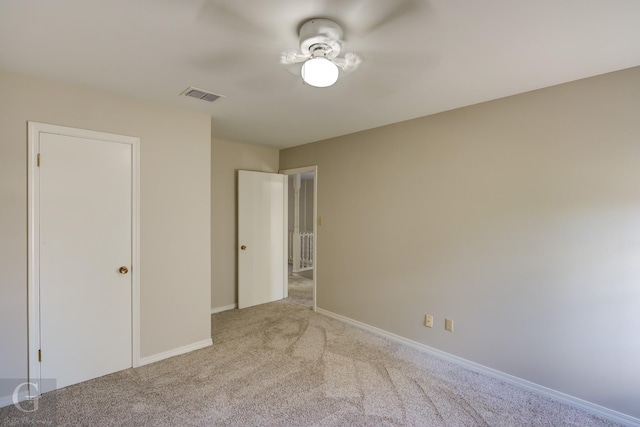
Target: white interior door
(85, 243)
(262, 207)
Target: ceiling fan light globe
(319, 72)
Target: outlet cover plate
(448, 325)
(428, 321)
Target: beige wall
(517, 218)
(226, 159)
(175, 209)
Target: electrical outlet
(448, 325)
(428, 321)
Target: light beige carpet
(300, 290)
(280, 364)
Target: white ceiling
(419, 56)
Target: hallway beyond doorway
(300, 290)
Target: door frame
(33, 241)
(297, 171)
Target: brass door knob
(243, 247)
(123, 270)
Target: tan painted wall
(226, 159)
(517, 218)
(175, 209)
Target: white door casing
(262, 267)
(83, 226)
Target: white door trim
(33, 291)
(297, 171)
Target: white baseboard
(224, 308)
(175, 352)
(9, 400)
(592, 408)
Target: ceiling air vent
(200, 94)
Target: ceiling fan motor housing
(321, 37)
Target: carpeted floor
(300, 290)
(281, 364)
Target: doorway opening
(301, 232)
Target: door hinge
(38, 160)
(39, 355)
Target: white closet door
(85, 237)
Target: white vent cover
(200, 94)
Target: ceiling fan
(320, 47)
(259, 30)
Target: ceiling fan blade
(349, 63)
(293, 57)
(367, 16)
(224, 13)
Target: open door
(262, 219)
